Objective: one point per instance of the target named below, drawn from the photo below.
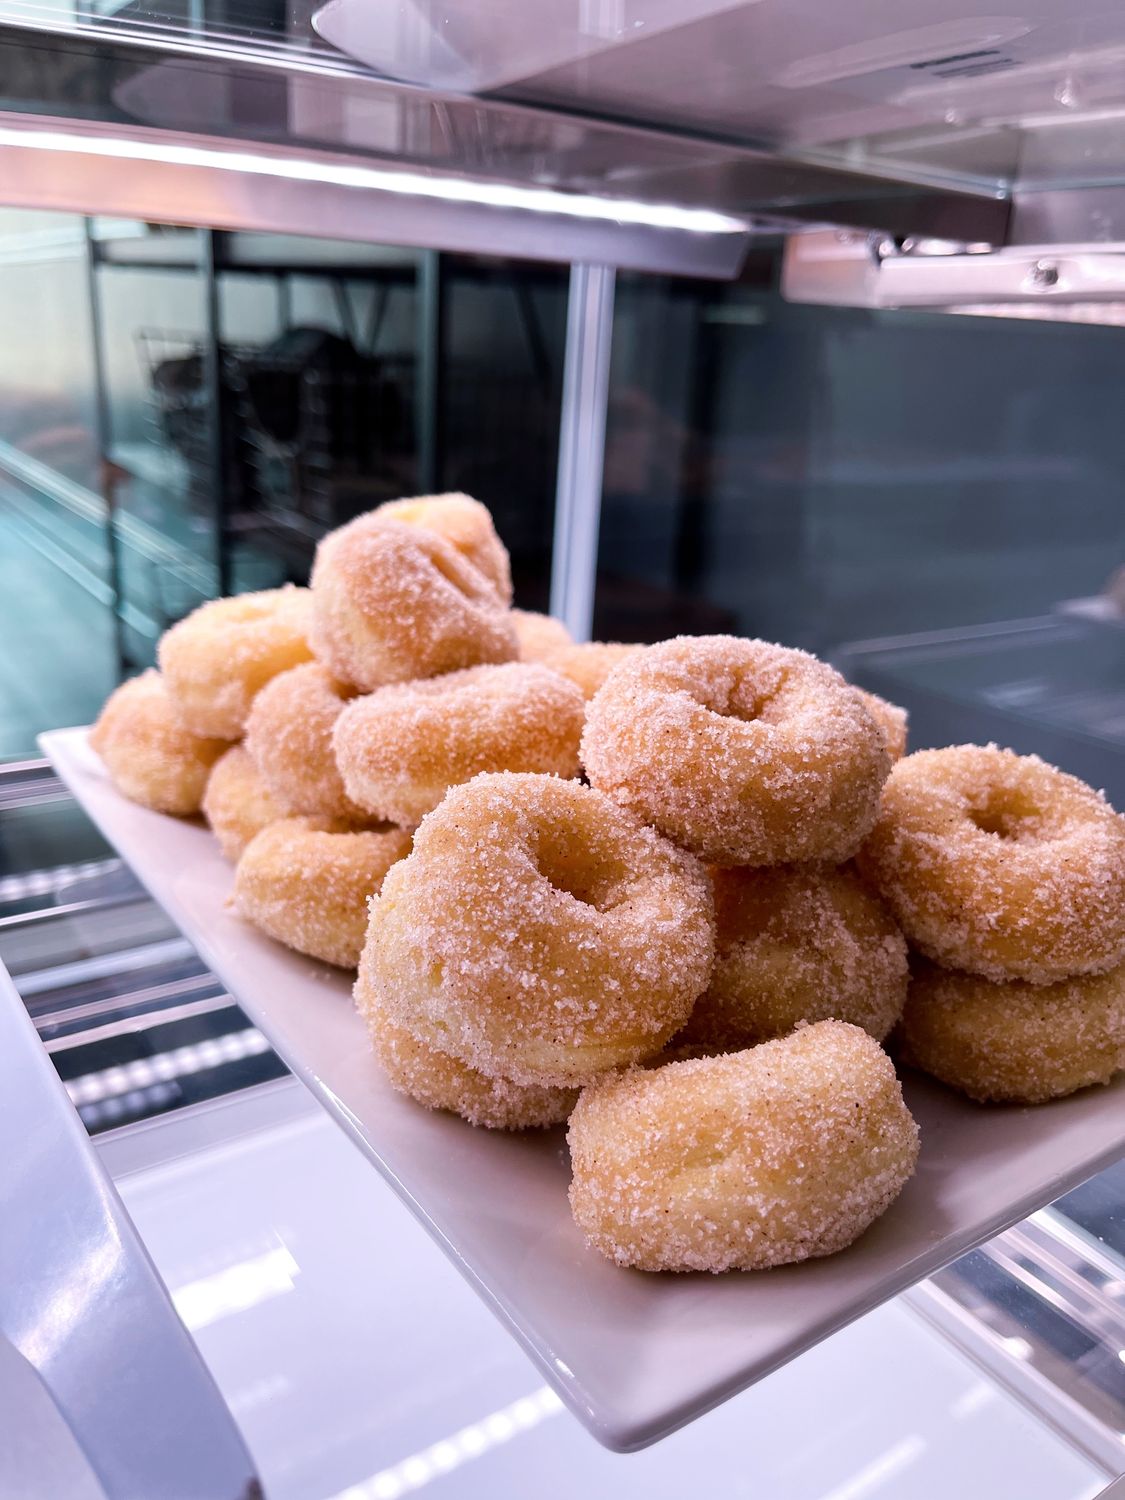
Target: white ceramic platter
(633, 1355)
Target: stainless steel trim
(145, 1022)
(81, 1301)
(578, 499)
(188, 178)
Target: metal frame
(582, 424)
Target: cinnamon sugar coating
(464, 522)
(1014, 1042)
(401, 748)
(759, 1158)
(743, 752)
(306, 882)
(539, 933)
(798, 943)
(220, 657)
(589, 664)
(891, 719)
(289, 736)
(394, 601)
(151, 758)
(1000, 865)
(237, 803)
(538, 634)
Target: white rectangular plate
(633, 1355)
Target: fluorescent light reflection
(235, 1288)
(458, 1448)
(144, 1072)
(375, 179)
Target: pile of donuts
(678, 895)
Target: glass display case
(681, 294)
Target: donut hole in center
(746, 700)
(1006, 814)
(571, 864)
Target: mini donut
(467, 524)
(1015, 1043)
(798, 943)
(289, 735)
(237, 803)
(538, 635)
(783, 1152)
(403, 747)
(1000, 865)
(743, 752)
(590, 663)
(539, 933)
(151, 758)
(393, 601)
(891, 719)
(306, 882)
(434, 1079)
(217, 659)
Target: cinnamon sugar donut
(891, 719)
(306, 882)
(538, 933)
(437, 1081)
(798, 943)
(401, 748)
(216, 660)
(743, 752)
(1014, 1042)
(289, 735)
(237, 803)
(467, 524)
(151, 758)
(589, 663)
(394, 601)
(1000, 864)
(538, 635)
(759, 1158)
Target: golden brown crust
(289, 736)
(589, 664)
(1000, 865)
(1014, 1043)
(539, 933)
(892, 720)
(403, 747)
(438, 1081)
(220, 657)
(394, 601)
(538, 634)
(743, 752)
(464, 522)
(151, 758)
(798, 943)
(237, 803)
(306, 882)
(759, 1158)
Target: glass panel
(185, 412)
(933, 502)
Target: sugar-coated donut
(589, 663)
(798, 943)
(289, 735)
(216, 660)
(776, 1154)
(467, 524)
(394, 601)
(401, 748)
(151, 758)
(892, 720)
(306, 882)
(237, 803)
(538, 635)
(538, 932)
(1000, 864)
(743, 752)
(1014, 1042)
(439, 1081)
